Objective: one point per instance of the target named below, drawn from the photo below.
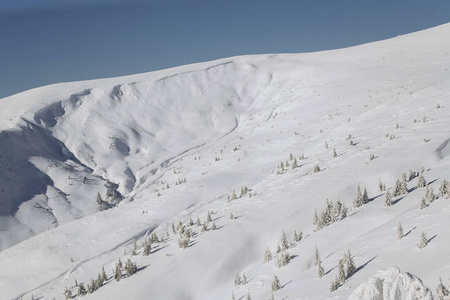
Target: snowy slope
(179, 141)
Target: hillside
(169, 146)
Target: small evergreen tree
(147, 249)
(208, 217)
(315, 218)
(388, 199)
(130, 268)
(316, 256)
(423, 203)
(81, 290)
(267, 255)
(214, 227)
(441, 290)
(244, 279)
(334, 153)
(321, 271)
(316, 168)
(350, 267)
(334, 285)
(67, 293)
(423, 241)
(444, 189)
(344, 212)
(421, 182)
(198, 224)
(341, 272)
(358, 202)
(365, 198)
(104, 277)
(276, 285)
(381, 186)
(284, 259)
(284, 242)
(399, 231)
(248, 296)
(237, 279)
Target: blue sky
(50, 41)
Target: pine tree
(232, 296)
(295, 236)
(284, 243)
(388, 200)
(421, 182)
(441, 290)
(147, 249)
(237, 280)
(204, 228)
(315, 218)
(358, 202)
(67, 293)
(381, 186)
(341, 272)
(316, 168)
(350, 267)
(321, 271)
(81, 290)
(214, 227)
(267, 255)
(99, 198)
(423, 203)
(248, 296)
(118, 271)
(284, 259)
(316, 256)
(334, 285)
(231, 216)
(276, 285)
(423, 241)
(344, 211)
(399, 231)
(130, 268)
(198, 224)
(104, 277)
(294, 164)
(208, 217)
(334, 153)
(365, 198)
(244, 279)
(278, 248)
(233, 196)
(444, 189)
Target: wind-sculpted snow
(392, 284)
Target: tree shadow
(433, 237)
(159, 249)
(398, 200)
(364, 265)
(409, 231)
(286, 284)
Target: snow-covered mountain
(93, 171)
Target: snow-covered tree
(350, 267)
(441, 290)
(344, 211)
(213, 227)
(341, 272)
(334, 153)
(68, 293)
(358, 201)
(444, 189)
(208, 217)
(198, 223)
(183, 242)
(429, 194)
(423, 203)
(423, 241)
(81, 290)
(104, 277)
(421, 182)
(276, 285)
(334, 285)
(237, 279)
(316, 256)
(147, 249)
(388, 199)
(284, 242)
(249, 297)
(315, 218)
(381, 186)
(244, 279)
(267, 255)
(284, 259)
(321, 271)
(316, 168)
(399, 231)
(365, 197)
